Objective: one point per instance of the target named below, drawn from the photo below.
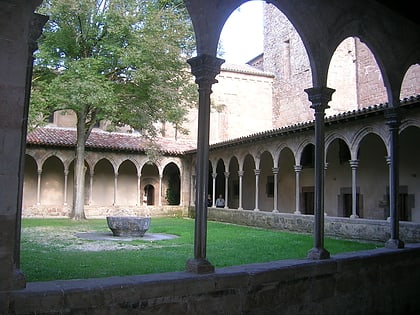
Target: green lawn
(51, 251)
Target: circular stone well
(128, 226)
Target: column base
(297, 212)
(354, 216)
(275, 211)
(318, 253)
(394, 243)
(17, 281)
(199, 266)
(256, 209)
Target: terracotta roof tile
(103, 140)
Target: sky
(242, 35)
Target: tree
(123, 61)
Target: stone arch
(220, 178)
(372, 156)
(362, 85)
(171, 182)
(410, 85)
(286, 180)
(249, 166)
(30, 184)
(150, 183)
(52, 181)
(409, 194)
(233, 188)
(266, 181)
(127, 183)
(103, 182)
(299, 150)
(360, 135)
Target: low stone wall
(380, 281)
(358, 229)
(104, 211)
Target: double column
(393, 120)
(204, 68)
(319, 97)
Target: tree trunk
(78, 211)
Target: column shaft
(204, 68)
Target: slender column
(298, 169)
(160, 190)
(138, 190)
(226, 189)
(393, 121)
(38, 188)
(241, 175)
(257, 181)
(115, 187)
(213, 203)
(275, 174)
(205, 68)
(66, 177)
(354, 164)
(319, 97)
(92, 172)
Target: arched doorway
(149, 193)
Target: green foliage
(119, 60)
(46, 257)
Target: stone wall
(357, 229)
(381, 281)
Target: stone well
(128, 226)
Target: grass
(51, 251)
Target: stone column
(91, 173)
(115, 187)
(38, 187)
(19, 30)
(241, 175)
(66, 178)
(257, 182)
(226, 189)
(298, 169)
(319, 97)
(204, 68)
(275, 174)
(393, 120)
(139, 201)
(354, 164)
(213, 194)
(160, 189)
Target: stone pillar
(19, 30)
(38, 187)
(139, 201)
(213, 194)
(91, 173)
(298, 169)
(226, 189)
(257, 182)
(160, 189)
(393, 121)
(241, 175)
(115, 187)
(275, 174)
(354, 164)
(319, 97)
(204, 68)
(66, 178)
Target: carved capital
(35, 30)
(319, 97)
(205, 68)
(393, 117)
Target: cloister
(322, 152)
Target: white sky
(242, 35)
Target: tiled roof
(247, 69)
(103, 140)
